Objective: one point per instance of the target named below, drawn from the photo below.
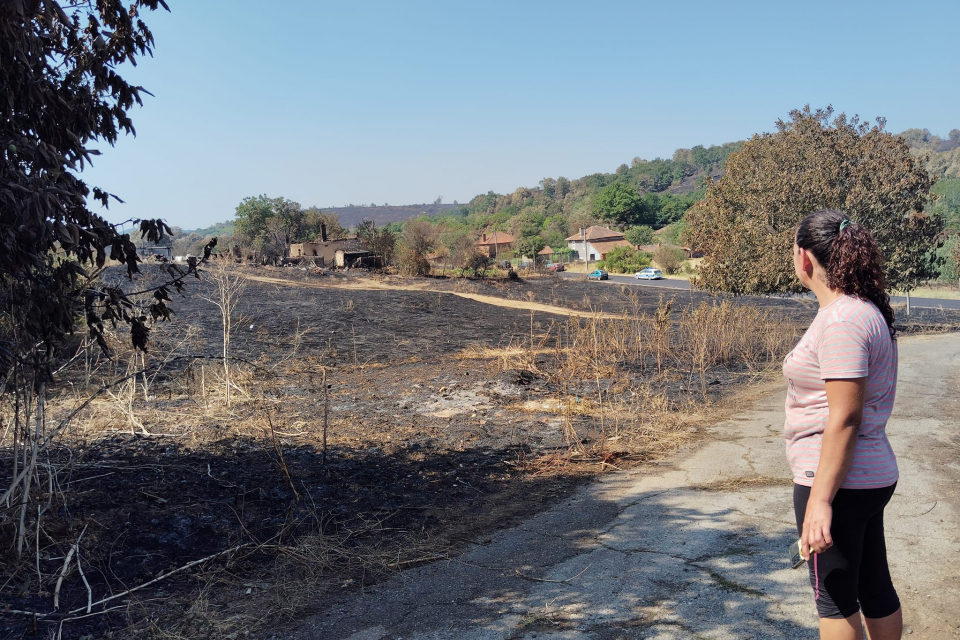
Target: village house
(325, 251)
(495, 243)
(595, 242)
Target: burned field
(371, 424)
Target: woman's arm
(845, 400)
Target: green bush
(949, 267)
(625, 260)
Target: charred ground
(447, 418)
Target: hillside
(218, 229)
(944, 154)
(384, 215)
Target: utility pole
(496, 246)
(586, 256)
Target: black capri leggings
(853, 573)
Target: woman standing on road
(841, 379)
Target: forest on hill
(637, 198)
(651, 193)
(352, 215)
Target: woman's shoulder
(853, 309)
(859, 313)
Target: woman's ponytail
(850, 256)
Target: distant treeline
(636, 198)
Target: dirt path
(368, 284)
(692, 549)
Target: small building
(594, 243)
(348, 259)
(163, 252)
(495, 243)
(325, 252)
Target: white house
(593, 243)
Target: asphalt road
(670, 283)
(689, 549)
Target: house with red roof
(495, 243)
(594, 243)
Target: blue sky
(400, 102)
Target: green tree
(287, 225)
(639, 235)
(561, 188)
(746, 224)
(618, 203)
(675, 234)
(947, 204)
(656, 175)
(955, 256)
(529, 246)
(549, 187)
(313, 218)
(625, 260)
(949, 253)
(525, 223)
(269, 225)
(253, 215)
(673, 207)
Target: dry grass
(638, 372)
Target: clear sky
(332, 103)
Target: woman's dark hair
(850, 256)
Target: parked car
(599, 274)
(649, 274)
(555, 267)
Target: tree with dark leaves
(61, 94)
(746, 224)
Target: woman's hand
(816, 528)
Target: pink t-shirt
(848, 339)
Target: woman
(842, 379)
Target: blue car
(599, 274)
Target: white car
(649, 274)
